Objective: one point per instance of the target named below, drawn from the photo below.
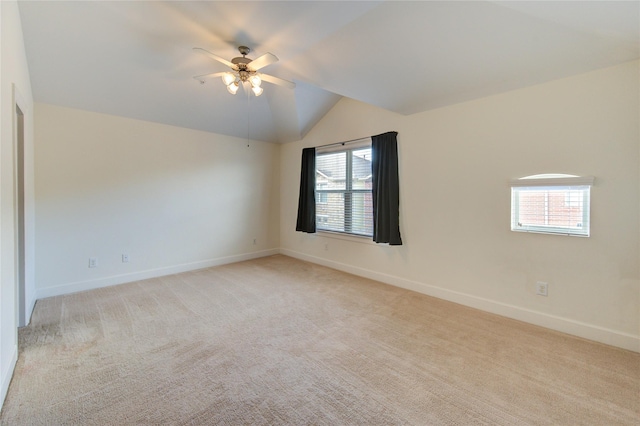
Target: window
(551, 204)
(344, 202)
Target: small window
(344, 201)
(551, 204)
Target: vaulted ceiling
(136, 59)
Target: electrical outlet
(542, 288)
(125, 258)
(93, 262)
(255, 241)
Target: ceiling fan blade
(203, 77)
(275, 80)
(262, 61)
(216, 57)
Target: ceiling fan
(244, 70)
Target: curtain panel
(307, 200)
(386, 189)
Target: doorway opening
(20, 217)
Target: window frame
(348, 191)
(547, 184)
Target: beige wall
(15, 87)
(173, 199)
(455, 165)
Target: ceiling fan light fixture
(233, 88)
(255, 81)
(257, 90)
(228, 78)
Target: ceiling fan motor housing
(241, 62)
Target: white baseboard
(29, 311)
(7, 375)
(565, 325)
(75, 287)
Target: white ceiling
(135, 59)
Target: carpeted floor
(281, 341)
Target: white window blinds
(344, 200)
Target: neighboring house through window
(551, 204)
(343, 188)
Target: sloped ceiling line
(135, 59)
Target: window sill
(549, 232)
(346, 237)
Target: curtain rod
(343, 143)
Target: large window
(551, 204)
(343, 189)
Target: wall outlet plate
(542, 288)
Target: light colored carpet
(281, 341)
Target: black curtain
(307, 200)
(386, 189)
